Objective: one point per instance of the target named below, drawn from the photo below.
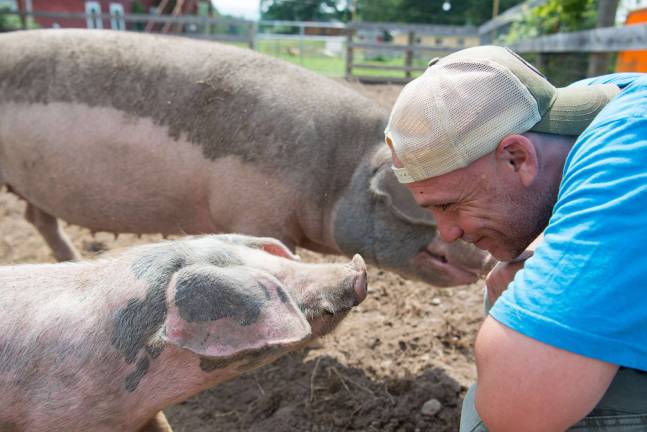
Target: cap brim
(575, 108)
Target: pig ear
(274, 247)
(385, 186)
(219, 312)
(268, 244)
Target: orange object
(633, 61)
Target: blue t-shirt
(585, 289)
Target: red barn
(116, 8)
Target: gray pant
(623, 408)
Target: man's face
(485, 204)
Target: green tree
(138, 8)
(553, 17)
(10, 22)
(461, 12)
(305, 10)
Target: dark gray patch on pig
(224, 259)
(138, 322)
(282, 294)
(268, 296)
(210, 97)
(205, 295)
(157, 264)
(132, 380)
(6, 352)
(135, 324)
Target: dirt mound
(304, 393)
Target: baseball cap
(464, 104)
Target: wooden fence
(566, 57)
(411, 47)
(446, 39)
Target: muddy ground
(408, 344)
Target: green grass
(316, 60)
(313, 57)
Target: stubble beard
(529, 216)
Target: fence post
(21, 11)
(349, 52)
(205, 26)
(251, 34)
(408, 56)
(599, 62)
(541, 63)
(302, 29)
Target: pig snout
(454, 263)
(361, 280)
(330, 292)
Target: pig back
(225, 100)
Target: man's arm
(526, 385)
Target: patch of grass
(312, 55)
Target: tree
(461, 12)
(305, 10)
(11, 22)
(556, 16)
(553, 17)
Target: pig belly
(103, 169)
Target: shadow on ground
(321, 394)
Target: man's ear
(518, 153)
(219, 312)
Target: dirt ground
(407, 345)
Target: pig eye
(443, 207)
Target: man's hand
(502, 274)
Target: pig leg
(47, 226)
(157, 424)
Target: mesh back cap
(467, 102)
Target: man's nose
(447, 228)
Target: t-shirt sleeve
(585, 289)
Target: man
(498, 155)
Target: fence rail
(416, 51)
(134, 18)
(414, 48)
(609, 39)
(440, 30)
(364, 45)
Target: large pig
(105, 345)
(135, 133)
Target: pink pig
(107, 344)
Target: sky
(240, 8)
(625, 6)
